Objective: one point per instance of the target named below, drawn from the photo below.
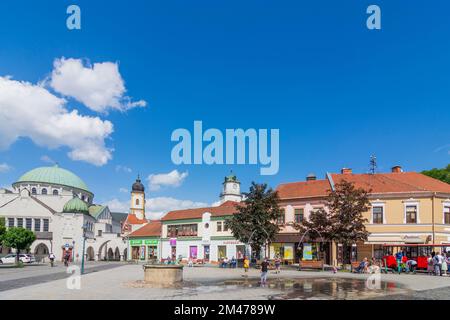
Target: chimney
(396, 169)
(311, 177)
(346, 171)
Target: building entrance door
(206, 253)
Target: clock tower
(138, 199)
(231, 189)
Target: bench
(307, 264)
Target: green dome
(76, 205)
(54, 175)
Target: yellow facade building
(406, 208)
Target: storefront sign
(135, 242)
(307, 251)
(153, 241)
(232, 242)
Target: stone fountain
(163, 274)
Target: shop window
(135, 254)
(299, 215)
(447, 215)
(222, 252)
(378, 251)
(411, 214)
(377, 215)
(219, 226)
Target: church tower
(231, 189)
(138, 199)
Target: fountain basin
(163, 274)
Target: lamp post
(82, 253)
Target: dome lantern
(138, 186)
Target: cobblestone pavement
(123, 281)
(13, 278)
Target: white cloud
(171, 179)
(123, 168)
(123, 190)
(32, 111)
(116, 205)
(4, 167)
(99, 86)
(156, 208)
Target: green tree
(255, 221)
(344, 222)
(318, 225)
(18, 238)
(440, 174)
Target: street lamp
(84, 243)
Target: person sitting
(362, 266)
(226, 262)
(411, 265)
(233, 262)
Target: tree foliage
(440, 174)
(255, 221)
(344, 222)
(18, 238)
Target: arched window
(44, 191)
(55, 192)
(137, 202)
(82, 197)
(33, 191)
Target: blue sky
(337, 91)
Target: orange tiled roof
(304, 189)
(398, 182)
(132, 219)
(226, 208)
(151, 229)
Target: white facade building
(58, 207)
(201, 233)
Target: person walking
(66, 259)
(430, 267)
(277, 264)
(264, 270)
(444, 264)
(437, 261)
(398, 257)
(52, 259)
(246, 264)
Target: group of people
(225, 262)
(374, 266)
(438, 264)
